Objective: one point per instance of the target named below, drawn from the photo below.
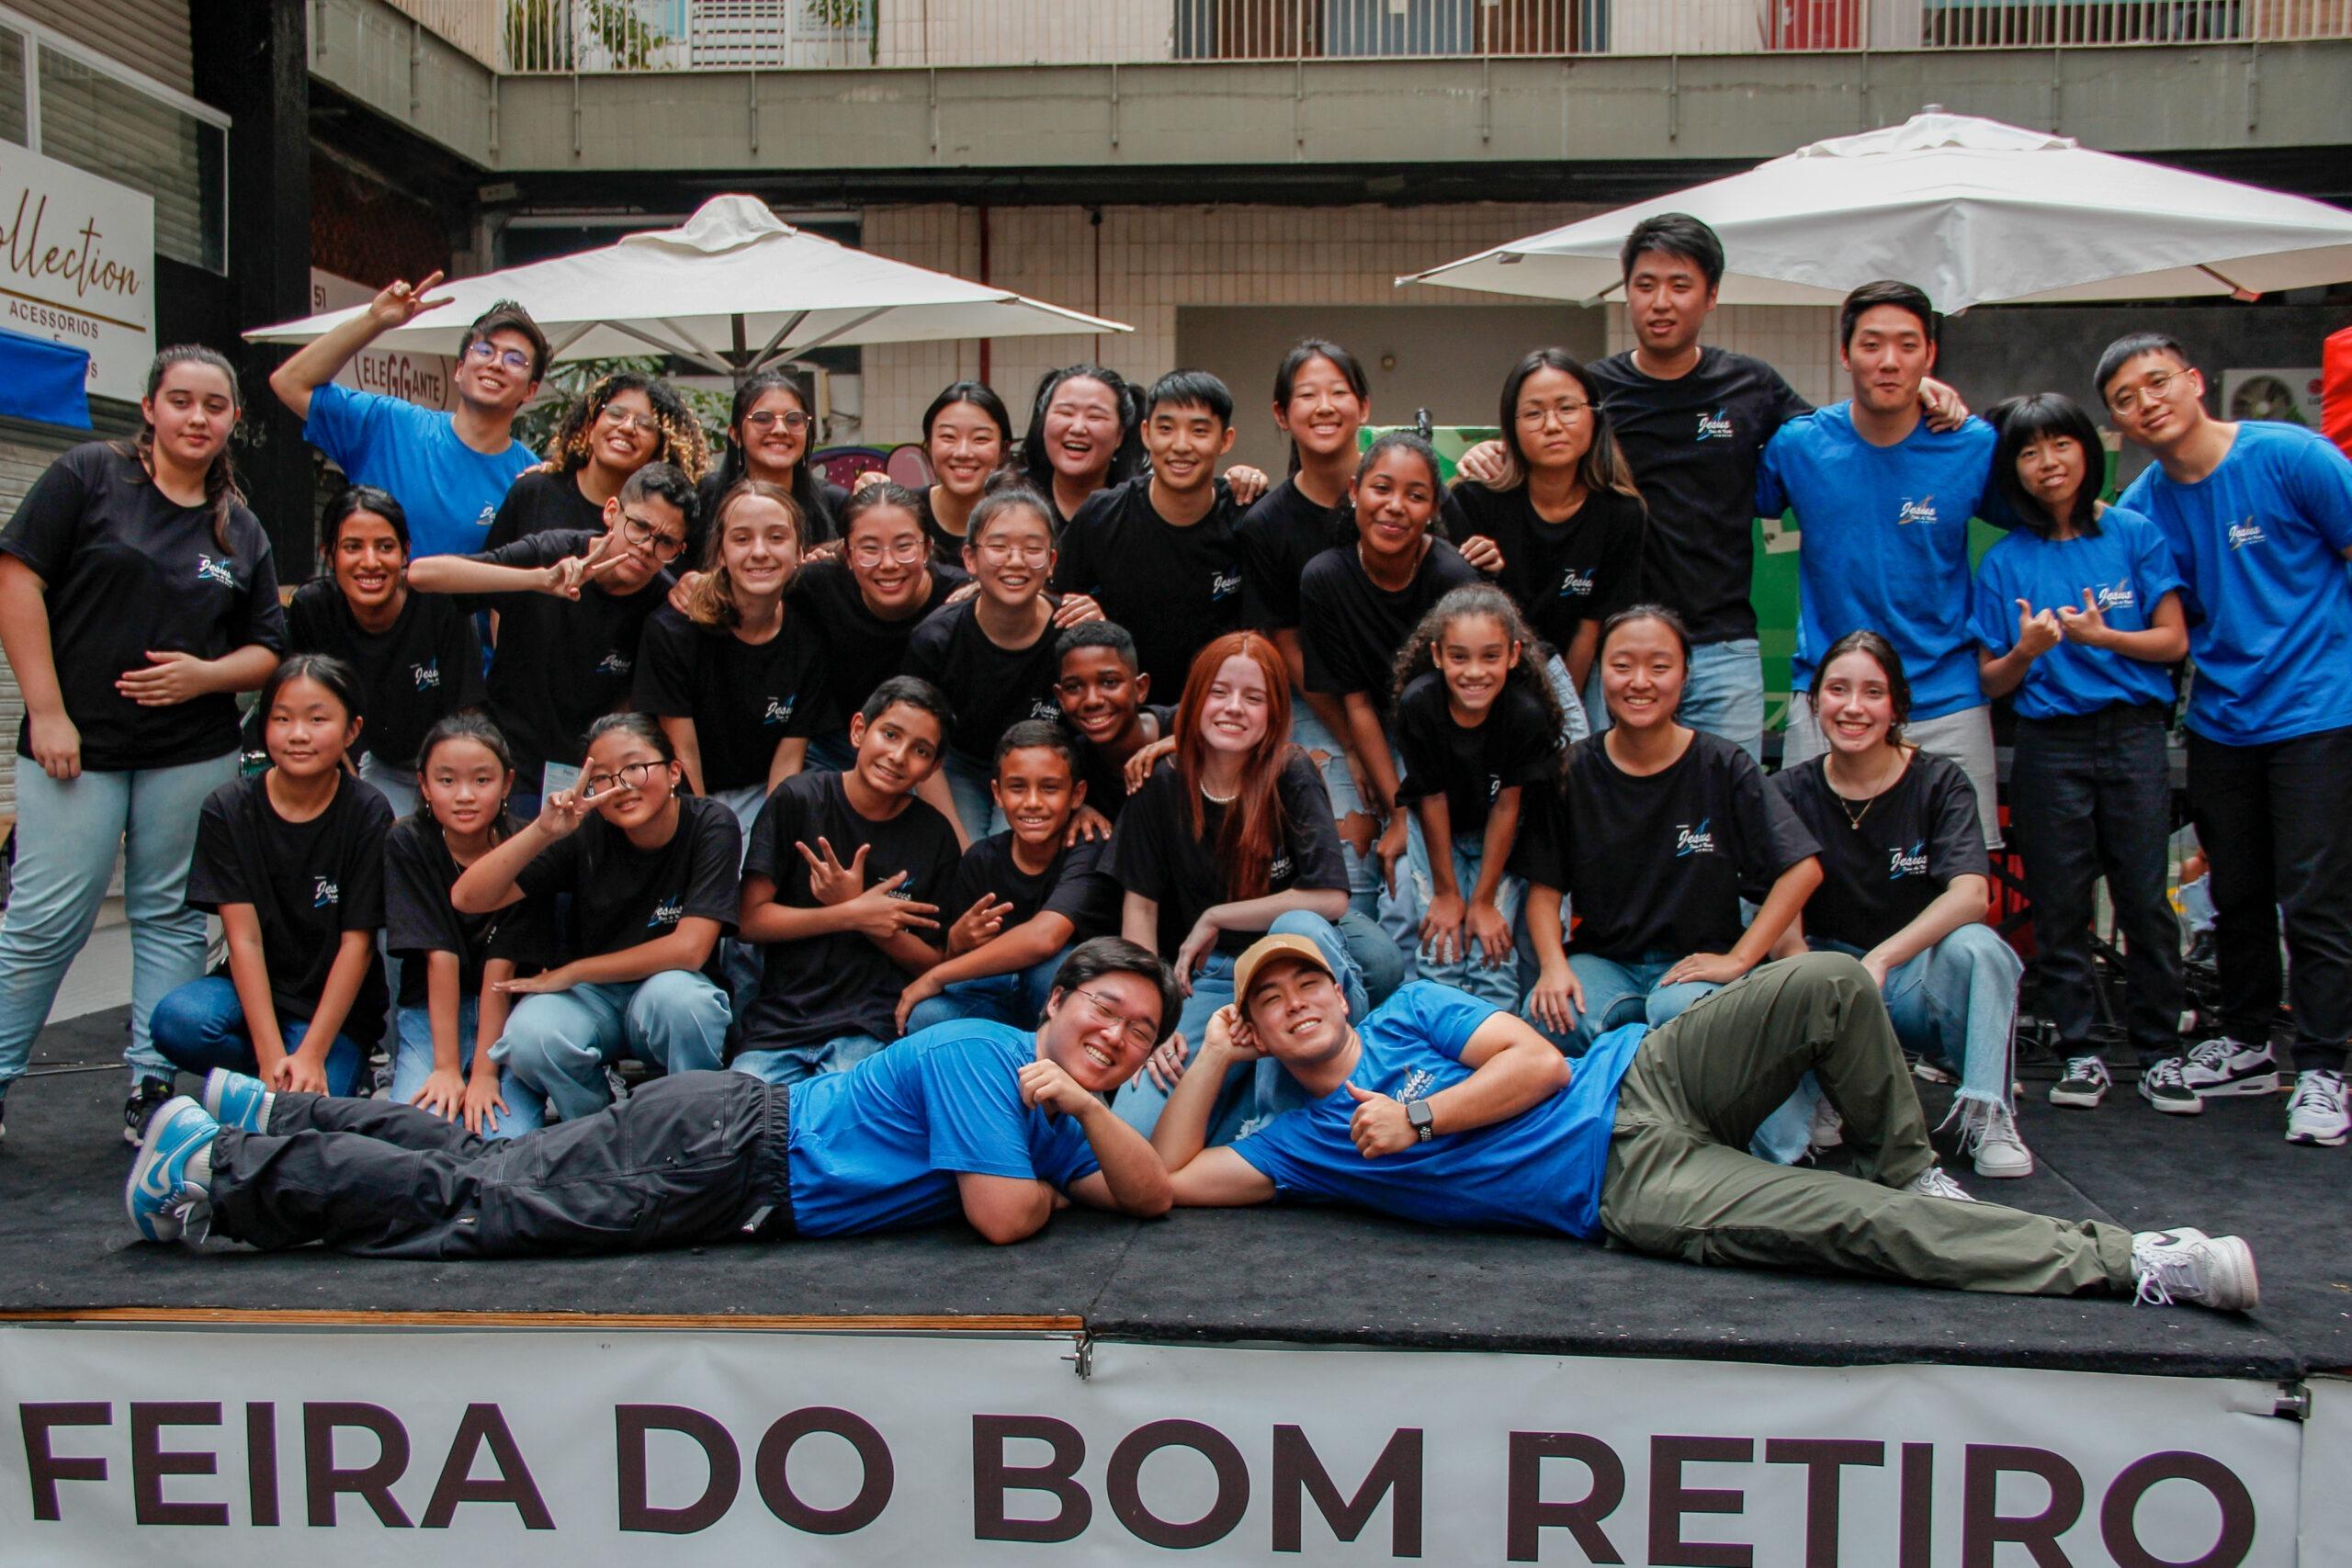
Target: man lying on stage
(999, 1123)
(1447, 1110)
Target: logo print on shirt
(667, 913)
(2246, 533)
(1494, 787)
(905, 890)
(614, 663)
(779, 712)
(1901, 862)
(2115, 596)
(1715, 426)
(1920, 511)
(210, 570)
(1223, 585)
(426, 675)
(1278, 870)
(1698, 840)
(1417, 1085)
(325, 893)
(1575, 584)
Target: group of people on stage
(1449, 822)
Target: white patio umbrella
(733, 290)
(1971, 210)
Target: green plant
(546, 35)
(837, 14)
(566, 381)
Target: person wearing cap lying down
(1449, 1110)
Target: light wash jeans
(397, 786)
(1017, 998)
(967, 783)
(1469, 972)
(1724, 693)
(791, 1063)
(67, 835)
(557, 1043)
(1249, 1097)
(1955, 1004)
(1308, 733)
(201, 1026)
(1574, 709)
(740, 960)
(1619, 993)
(413, 1064)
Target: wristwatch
(1418, 1112)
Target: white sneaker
(1828, 1127)
(2224, 1066)
(2187, 1265)
(1935, 1182)
(1992, 1136)
(2316, 1113)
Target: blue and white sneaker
(237, 1100)
(164, 1195)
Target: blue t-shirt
(1538, 1170)
(1885, 544)
(878, 1147)
(449, 491)
(2261, 540)
(2127, 564)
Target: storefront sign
(423, 379)
(77, 266)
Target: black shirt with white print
(1583, 568)
(1516, 746)
(1106, 780)
(543, 503)
(129, 571)
(861, 650)
(990, 688)
(743, 697)
(1076, 884)
(420, 921)
(1351, 629)
(1879, 873)
(1656, 865)
(825, 988)
(1155, 852)
(1175, 590)
(308, 882)
(425, 666)
(1277, 537)
(622, 897)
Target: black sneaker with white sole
(2160, 1085)
(144, 1102)
(2084, 1085)
(2221, 1068)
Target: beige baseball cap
(1280, 945)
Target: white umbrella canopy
(734, 288)
(1971, 210)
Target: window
(95, 120)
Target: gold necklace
(1854, 818)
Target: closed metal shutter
(146, 35)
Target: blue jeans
(1618, 993)
(413, 1064)
(1724, 693)
(1573, 708)
(1308, 733)
(557, 1043)
(1250, 1094)
(201, 1026)
(1469, 971)
(968, 782)
(740, 960)
(67, 835)
(397, 786)
(1017, 998)
(791, 1063)
(830, 753)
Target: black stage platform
(1292, 1274)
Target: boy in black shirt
(843, 876)
(1102, 693)
(1027, 894)
(1157, 552)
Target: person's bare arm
(1031, 942)
(1512, 1068)
(250, 974)
(791, 756)
(687, 745)
(1790, 890)
(1199, 1177)
(322, 358)
(354, 951)
(2164, 640)
(1961, 903)
(1131, 1180)
(54, 741)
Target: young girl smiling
(770, 431)
(967, 435)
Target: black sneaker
(144, 1102)
(2084, 1085)
(2161, 1085)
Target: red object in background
(1817, 24)
(842, 465)
(2336, 389)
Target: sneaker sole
(2260, 1083)
(2193, 1107)
(2005, 1173)
(2319, 1140)
(2245, 1291)
(2077, 1102)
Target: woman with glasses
(867, 602)
(771, 431)
(623, 423)
(570, 604)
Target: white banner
(77, 266)
(585, 1447)
(427, 379)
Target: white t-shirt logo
(1920, 511)
(426, 675)
(2246, 533)
(210, 570)
(324, 893)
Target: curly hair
(678, 441)
(1414, 658)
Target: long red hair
(1253, 824)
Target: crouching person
(999, 1124)
(1447, 1111)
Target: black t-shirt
(308, 882)
(743, 697)
(826, 986)
(1693, 445)
(419, 919)
(861, 650)
(427, 666)
(1105, 781)
(817, 526)
(1517, 746)
(1077, 885)
(1912, 841)
(561, 664)
(1563, 574)
(129, 571)
(622, 897)
(1351, 629)
(1176, 590)
(990, 688)
(1154, 851)
(1656, 865)
(1276, 538)
(543, 503)
(947, 548)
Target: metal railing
(546, 36)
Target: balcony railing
(549, 36)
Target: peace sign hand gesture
(400, 304)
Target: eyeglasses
(1036, 555)
(872, 553)
(1135, 1030)
(793, 419)
(1566, 411)
(483, 350)
(630, 775)
(610, 414)
(645, 536)
(2147, 393)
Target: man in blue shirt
(1445, 1110)
(1883, 501)
(998, 1124)
(447, 471)
(2259, 517)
